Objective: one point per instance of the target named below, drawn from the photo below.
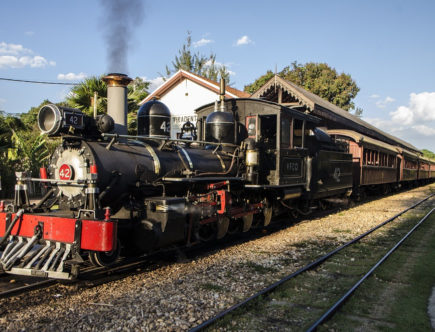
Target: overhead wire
(36, 82)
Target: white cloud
(421, 109)
(385, 125)
(424, 130)
(13, 49)
(202, 42)
(383, 103)
(244, 41)
(375, 96)
(154, 83)
(10, 61)
(72, 76)
(17, 56)
(29, 33)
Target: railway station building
(184, 92)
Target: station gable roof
(289, 94)
(181, 75)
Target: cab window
(298, 133)
(286, 124)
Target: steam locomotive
(111, 194)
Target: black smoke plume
(120, 19)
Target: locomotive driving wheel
(104, 259)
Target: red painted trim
(96, 235)
(236, 212)
(225, 200)
(217, 185)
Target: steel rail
(307, 267)
(22, 289)
(340, 302)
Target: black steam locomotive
(245, 161)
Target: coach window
(298, 133)
(285, 132)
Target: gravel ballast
(182, 295)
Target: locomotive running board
(24, 256)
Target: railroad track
(315, 264)
(94, 276)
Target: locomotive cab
(274, 137)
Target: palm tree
(81, 96)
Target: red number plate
(65, 172)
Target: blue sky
(388, 47)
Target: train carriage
(432, 169)
(408, 167)
(423, 169)
(376, 163)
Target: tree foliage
(320, 79)
(21, 148)
(29, 119)
(428, 154)
(30, 149)
(81, 96)
(197, 63)
(137, 91)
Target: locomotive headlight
(49, 119)
(53, 119)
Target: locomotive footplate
(47, 246)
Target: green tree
(29, 119)
(197, 63)
(137, 91)
(320, 79)
(259, 82)
(30, 149)
(428, 154)
(81, 95)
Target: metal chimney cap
(117, 79)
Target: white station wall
(183, 99)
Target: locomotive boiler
(110, 195)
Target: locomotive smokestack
(117, 100)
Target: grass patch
(211, 287)
(394, 298)
(400, 288)
(342, 231)
(260, 268)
